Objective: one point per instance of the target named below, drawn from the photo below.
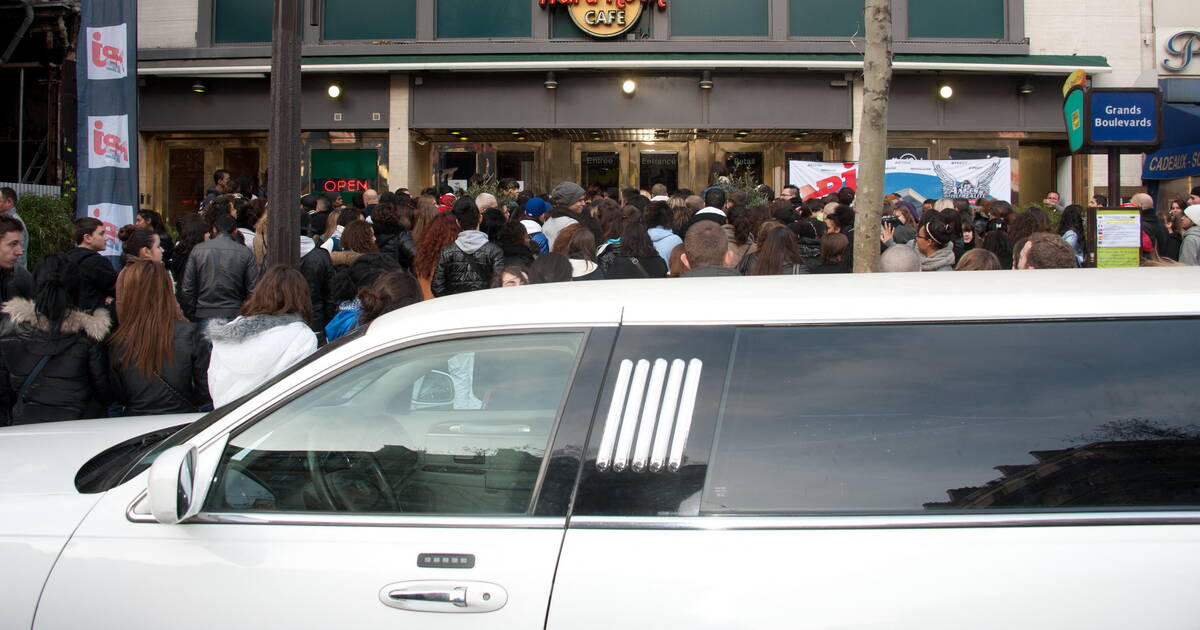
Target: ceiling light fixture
(1026, 87)
(199, 88)
(629, 86)
(551, 83)
(334, 90)
(706, 82)
(945, 92)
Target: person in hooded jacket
(471, 261)
(270, 335)
(514, 241)
(934, 243)
(1188, 224)
(159, 358)
(53, 364)
(808, 243)
(579, 246)
(659, 219)
(348, 284)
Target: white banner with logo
(106, 77)
(914, 180)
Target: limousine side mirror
(173, 489)
(434, 389)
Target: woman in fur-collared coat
(54, 351)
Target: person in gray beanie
(567, 201)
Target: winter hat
(536, 207)
(533, 227)
(1193, 213)
(566, 194)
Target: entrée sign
(604, 18)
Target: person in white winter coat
(270, 336)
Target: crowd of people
(185, 324)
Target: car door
(403, 490)
(918, 476)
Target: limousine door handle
(456, 596)
(444, 596)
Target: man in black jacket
(14, 280)
(97, 276)
(219, 276)
(471, 261)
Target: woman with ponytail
(53, 364)
(139, 244)
(159, 358)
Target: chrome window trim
(335, 519)
(755, 523)
(885, 321)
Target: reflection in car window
(451, 427)
(142, 462)
(928, 418)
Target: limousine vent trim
(650, 415)
(753, 523)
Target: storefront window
(456, 168)
(515, 164)
(659, 167)
(745, 164)
(602, 169)
(242, 21)
(369, 19)
(825, 18)
(484, 19)
(708, 18)
(956, 19)
(185, 180)
(977, 154)
(344, 171)
(915, 153)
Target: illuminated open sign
(342, 185)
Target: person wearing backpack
(471, 261)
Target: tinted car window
(453, 427)
(928, 418)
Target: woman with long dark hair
(159, 358)
(152, 220)
(193, 230)
(1070, 227)
(269, 336)
(393, 232)
(53, 364)
(578, 244)
(777, 255)
(442, 231)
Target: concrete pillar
(856, 107)
(561, 161)
(400, 146)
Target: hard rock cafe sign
(604, 18)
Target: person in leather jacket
(219, 276)
(159, 359)
(471, 261)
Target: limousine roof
(817, 299)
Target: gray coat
(219, 276)
(1189, 252)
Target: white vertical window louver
(650, 415)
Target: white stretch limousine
(936, 451)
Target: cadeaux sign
(915, 180)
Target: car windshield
(187, 432)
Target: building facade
(432, 91)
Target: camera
(891, 220)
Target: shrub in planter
(50, 221)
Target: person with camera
(934, 244)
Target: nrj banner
(915, 180)
(106, 147)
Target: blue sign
(1123, 117)
(1173, 163)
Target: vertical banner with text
(106, 80)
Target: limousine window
(450, 427)
(928, 419)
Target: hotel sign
(1182, 51)
(604, 18)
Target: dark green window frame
(515, 16)
(826, 18)
(368, 19)
(743, 18)
(958, 19)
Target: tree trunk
(877, 84)
(283, 162)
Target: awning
(1002, 64)
(1180, 154)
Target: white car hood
(42, 459)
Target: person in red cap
(445, 202)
